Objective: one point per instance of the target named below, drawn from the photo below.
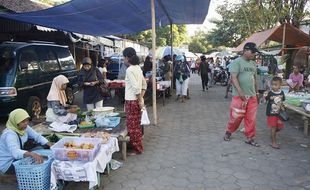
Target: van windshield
(6, 66)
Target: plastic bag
(115, 164)
(102, 121)
(144, 117)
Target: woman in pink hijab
(296, 79)
(58, 110)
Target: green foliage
(53, 3)
(198, 43)
(162, 36)
(239, 21)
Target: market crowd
(239, 73)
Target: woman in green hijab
(13, 138)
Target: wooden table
(302, 112)
(163, 92)
(120, 132)
(165, 87)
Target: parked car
(114, 66)
(27, 71)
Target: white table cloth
(84, 171)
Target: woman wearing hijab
(89, 77)
(57, 110)
(13, 138)
(181, 73)
(135, 86)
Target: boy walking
(275, 99)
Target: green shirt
(246, 73)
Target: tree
(53, 3)
(162, 36)
(198, 43)
(241, 20)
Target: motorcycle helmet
(180, 58)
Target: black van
(27, 71)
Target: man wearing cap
(245, 94)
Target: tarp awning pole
(283, 38)
(154, 61)
(171, 68)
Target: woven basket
(32, 176)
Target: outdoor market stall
(84, 171)
(82, 153)
(122, 17)
(120, 132)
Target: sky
(207, 25)
(212, 14)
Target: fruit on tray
(72, 155)
(73, 145)
(86, 123)
(104, 135)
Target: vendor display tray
(73, 154)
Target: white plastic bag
(144, 117)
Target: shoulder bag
(102, 88)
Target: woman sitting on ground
(13, 139)
(58, 110)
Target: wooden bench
(305, 116)
(8, 179)
(124, 141)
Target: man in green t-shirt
(245, 100)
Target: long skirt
(133, 121)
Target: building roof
(20, 6)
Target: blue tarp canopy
(106, 17)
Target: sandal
(227, 136)
(252, 143)
(133, 153)
(275, 147)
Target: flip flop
(252, 143)
(131, 153)
(227, 137)
(275, 147)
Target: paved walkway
(186, 151)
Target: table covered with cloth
(84, 171)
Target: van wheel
(70, 95)
(34, 106)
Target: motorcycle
(220, 76)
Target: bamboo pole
(171, 68)
(154, 61)
(283, 38)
